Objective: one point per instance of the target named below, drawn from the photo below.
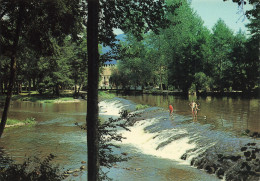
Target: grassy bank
(105, 95)
(15, 122)
(141, 106)
(65, 97)
(44, 98)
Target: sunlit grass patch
(105, 95)
(65, 99)
(47, 100)
(141, 106)
(14, 122)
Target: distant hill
(107, 48)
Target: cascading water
(160, 148)
(181, 139)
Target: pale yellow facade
(105, 75)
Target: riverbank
(154, 137)
(255, 93)
(14, 122)
(66, 96)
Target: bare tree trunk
(12, 68)
(34, 84)
(2, 87)
(92, 96)
(30, 85)
(9, 94)
(5, 86)
(57, 90)
(161, 88)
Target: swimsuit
(171, 108)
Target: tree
(135, 67)
(36, 23)
(222, 45)
(134, 16)
(78, 63)
(239, 62)
(157, 50)
(184, 43)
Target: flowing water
(155, 144)
(225, 113)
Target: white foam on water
(110, 108)
(199, 151)
(147, 142)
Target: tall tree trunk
(9, 94)
(161, 88)
(57, 90)
(12, 68)
(92, 96)
(30, 85)
(5, 86)
(2, 87)
(75, 89)
(34, 84)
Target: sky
(211, 10)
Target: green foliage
(108, 134)
(32, 169)
(141, 106)
(12, 121)
(203, 82)
(187, 54)
(104, 95)
(134, 69)
(40, 22)
(15, 122)
(47, 98)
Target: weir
(181, 139)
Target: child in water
(171, 110)
(194, 108)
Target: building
(105, 75)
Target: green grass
(15, 121)
(43, 99)
(66, 99)
(141, 106)
(105, 95)
(62, 99)
(12, 121)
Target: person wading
(171, 110)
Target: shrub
(32, 170)
(108, 134)
(141, 106)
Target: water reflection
(229, 114)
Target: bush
(27, 121)
(107, 135)
(104, 95)
(32, 170)
(141, 106)
(203, 81)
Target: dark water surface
(226, 113)
(155, 144)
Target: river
(224, 113)
(155, 143)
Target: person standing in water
(171, 110)
(194, 108)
